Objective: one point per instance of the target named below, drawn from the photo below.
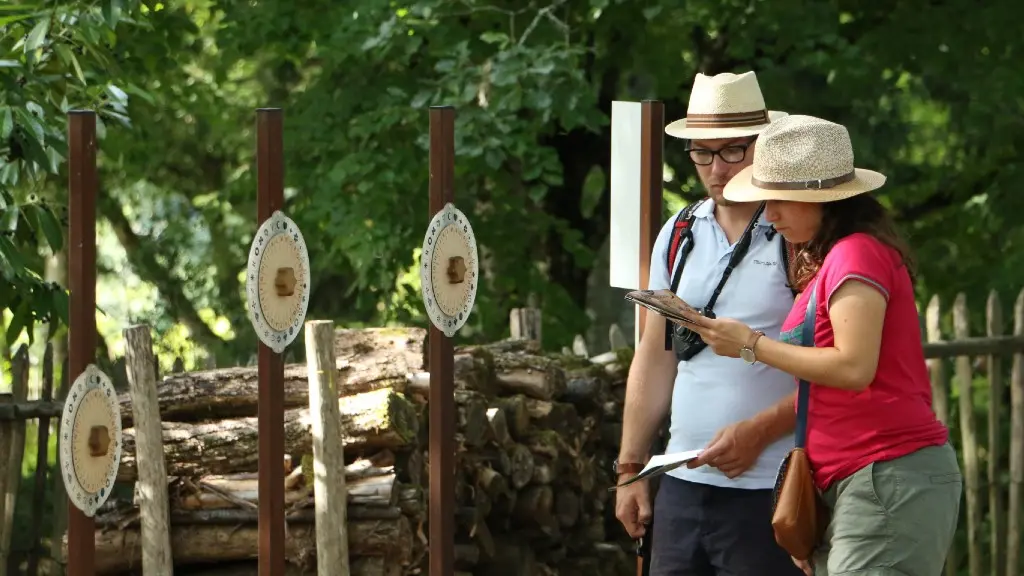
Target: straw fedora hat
(725, 105)
(802, 159)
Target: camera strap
(737, 255)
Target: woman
(881, 459)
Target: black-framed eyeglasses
(732, 154)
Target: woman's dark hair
(860, 213)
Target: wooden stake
(441, 365)
(652, 148)
(154, 510)
(270, 412)
(652, 130)
(82, 186)
(329, 493)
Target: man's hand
(733, 450)
(633, 508)
(804, 565)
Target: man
(713, 517)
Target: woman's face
(798, 222)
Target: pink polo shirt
(893, 417)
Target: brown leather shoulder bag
(799, 517)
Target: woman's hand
(724, 336)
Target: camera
(685, 342)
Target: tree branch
(141, 256)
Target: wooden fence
(988, 542)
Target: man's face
(716, 169)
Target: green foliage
(53, 58)
(920, 87)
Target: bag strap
(682, 229)
(678, 252)
(804, 393)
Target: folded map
(663, 302)
(661, 464)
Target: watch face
(747, 355)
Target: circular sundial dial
(90, 440)
(277, 282)
(449, 273)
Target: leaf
(37, 35)
(112, 12)
(60, 304)
(6, 122)
(50, 227)
(9, 219)
(32, 124)
(21, 320)
(5, 20)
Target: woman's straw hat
(802, 159)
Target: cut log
(367, 359)
(520, 466)
(221, 393)
(122, 519)
(372, 420)
(226, 492)
(473, 372)
(559, 417)
(517, 416)
(498, 427)
(379, 357)
(118, 550)
(533, 375)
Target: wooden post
(154, 510)
(525, 324)
(330, 497)
(57, 489)
(441, 365)
(82, 186)
(270, 412)
(940, 395)
(997, 515)
(969, 435)
(1013, 520)
(42, 455)
(6, 450)
(652, 148)
(13, 457)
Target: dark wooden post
(82, 185)
(442, 365)
(270, 411)
(652, 146)
(652, 130)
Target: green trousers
(893, 518)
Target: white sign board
(624, 240)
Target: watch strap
(628, 468)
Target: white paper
(661, 464)
(624, 238)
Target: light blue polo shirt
(713, 391)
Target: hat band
(727, 120)
(806, 184)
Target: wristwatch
(747, 352)
(620, 468)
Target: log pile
(535, 438)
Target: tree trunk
(372, 420)
(119, 550)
